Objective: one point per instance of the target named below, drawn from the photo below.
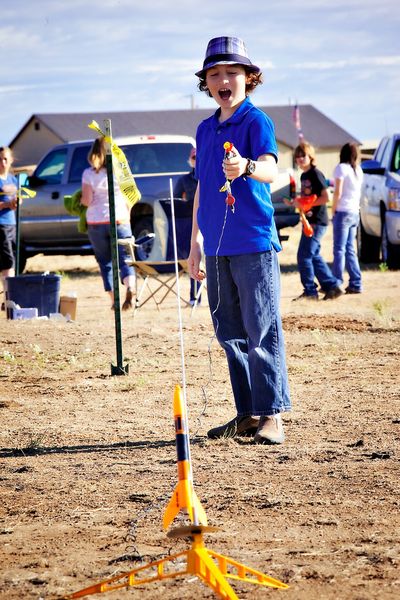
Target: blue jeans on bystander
(344, 253)
(311, 264)
(244, 296)
(100, 238)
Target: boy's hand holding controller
(235, 165)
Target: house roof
(317, 128)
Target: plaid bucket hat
(226, 51)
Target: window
(385, 160)
(52, 168)
(158, 158)
(381, 149)
(395, 166)
(79, 163)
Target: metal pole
(120, 368)
(17, 227)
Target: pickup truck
(46, 227)
(379, 231)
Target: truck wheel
(390, 252)
(143, 227)
(368, 246)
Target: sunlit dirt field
(88, 460)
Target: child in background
(243, 277)
(8, 205)
(310, 262)
(348, 177)
(95, 197)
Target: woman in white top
(95, 197)
(346, 216)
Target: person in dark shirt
(309, 260)
(185, 188)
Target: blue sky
(342, 56)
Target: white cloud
(90, 55)
(375, 61)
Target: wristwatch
(250, 168)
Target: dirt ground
(88, 460)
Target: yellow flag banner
(122, 170)
(25, 193)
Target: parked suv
(379, 231)
(47, 228)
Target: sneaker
(333, 293)
(350, 290)
(270, 430)
(305, 296)
(239, 426)
(128, 299)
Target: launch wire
(214, 336)
(132, 551)
(177, 283)
(178, 298)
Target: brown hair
(97, 154)
(254, 79)
(349, 154)
(304, 148)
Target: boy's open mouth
(224, 94)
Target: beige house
(43, 131)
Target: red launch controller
(230, 199)
(305, 204)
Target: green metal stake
(120, 368)
(17, 227)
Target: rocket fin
(172, 509)
(184, 498)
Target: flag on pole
(122, 169)
(296, 121)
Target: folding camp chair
(157, 278)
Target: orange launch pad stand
(212, 568)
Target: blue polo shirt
(7, 215)
(251, 228)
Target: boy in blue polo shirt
(240, 242)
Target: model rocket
(184, 496)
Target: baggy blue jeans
(344, 253)
(311, 265)
(244, 296)
(100, 238)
